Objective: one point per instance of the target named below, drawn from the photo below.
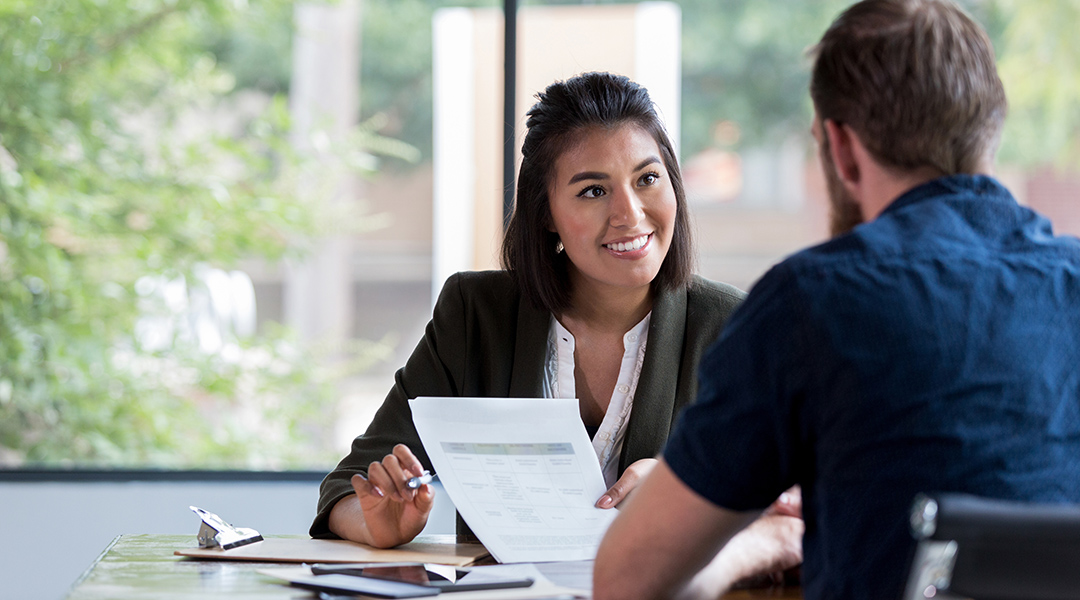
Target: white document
(521, 471)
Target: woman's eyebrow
(587, 175)
(602, 176)
(648, 161)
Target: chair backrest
(971, 547)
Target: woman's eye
(649, 179)
(593, 191)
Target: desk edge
(88, 570)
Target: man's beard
(844, 212)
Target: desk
(143, 567)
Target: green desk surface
(144, 567)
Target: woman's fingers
(378, 476)
(388, 476)
(631, 478)
(408, 460)
(364, 488)
(398, 476)
(424, 499)
(392, 474)
(789, 503)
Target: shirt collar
(952, 185)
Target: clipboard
(286, 549)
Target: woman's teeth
(631, 245)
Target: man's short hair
(916, 80)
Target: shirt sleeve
(433, 369)
(738, 444)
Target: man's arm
(664, 535)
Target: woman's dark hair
(565, 110)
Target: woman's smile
(636, 246)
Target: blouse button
(632, 337)
(623, 388)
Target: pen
(415, 482)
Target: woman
(596, 302)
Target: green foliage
(744, 62)
(259, 52)
(395, 65)
(1039, 63)
(106, 180)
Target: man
(934, 347)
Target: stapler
(216, 533)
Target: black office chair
(971, 547)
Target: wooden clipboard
(306, 550)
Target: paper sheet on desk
(521, 472)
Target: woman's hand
(631, 478)
(789, 503)
(385, 512)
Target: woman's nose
(626, 209)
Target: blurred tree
(108, 184)
(395, 82)
(744, 62)
(1039, 63)
(106, 180)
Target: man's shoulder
(962, 216)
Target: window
(218, 223)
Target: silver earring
(559, 247)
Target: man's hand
(631, 477)
(758, 554)
(662, 537)
(385, 512)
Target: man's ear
(842, 143)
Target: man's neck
(886, 185)
(890, 184)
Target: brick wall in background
(1056, 194)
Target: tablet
(378, 588)
(451, 580)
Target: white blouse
(559, 383)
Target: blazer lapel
(530, 351)
(654, 400)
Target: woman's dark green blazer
(485, 340)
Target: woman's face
(613, 207)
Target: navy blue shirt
(936, 348)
